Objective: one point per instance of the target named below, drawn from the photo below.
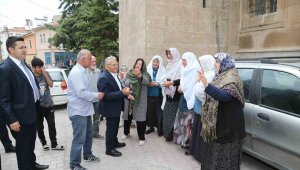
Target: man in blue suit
(19, 100)
(112, 104)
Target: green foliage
(90, 24)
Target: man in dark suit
(112, 104)
(19, 99)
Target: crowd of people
(196, 103)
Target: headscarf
(207, 63)
(227, 79)
(136, 82)
(161, 69)
(161, 73)
(188, 78)
(173, 69)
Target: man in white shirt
(80, 108)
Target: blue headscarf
(226, 61)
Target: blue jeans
(82, 137)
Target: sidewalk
(155, 154)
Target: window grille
(262, 7)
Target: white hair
(108, 59)
(82, 54)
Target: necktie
(32, 81)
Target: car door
(276, 121)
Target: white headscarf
(173, 69)
(188, 78)
(207, 63)
(161, 69)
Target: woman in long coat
(137, 79)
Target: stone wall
(271, 35)
(183, 24)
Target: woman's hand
(179, 89)
(167, 83)
(202, 78)
(137, 73)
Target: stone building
(244, 28)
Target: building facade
(244, 28)
(31, 46)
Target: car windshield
(56, 76)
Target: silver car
(272, 112)
(59, 89)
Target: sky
(14, 12)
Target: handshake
(127, 92)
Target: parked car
(272, 111)
(59, 89)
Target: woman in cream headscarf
(171, 83)
(184, 116)
(157, 71)
(222, 116)
(207, 63)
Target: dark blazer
(113, 102)
(16, 95)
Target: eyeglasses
(114, 65)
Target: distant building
(16, 31)
(30, 42)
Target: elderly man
(113, 104)
(80, 108)
(93, 74)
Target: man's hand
(15, 126)
(137, 73)
(100, 95)
(126, 91)
(130, 97)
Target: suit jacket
(16, 95)
(113, 102)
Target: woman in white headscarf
(171, 83)
(155, 95)
(207, 63)
(185, 114)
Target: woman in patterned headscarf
(171, 83)
(222, 117)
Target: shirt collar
(82, 69)
(17, 61)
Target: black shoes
(38, 166)
(120, 145)
(150, 130)
(10, 149)
(113, 153)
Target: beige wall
(271, 35)
(132, 31)
(149, 27)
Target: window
(246, 76)
(262, 7)
(30, 45)
(41, 38)
(56, 76)
(281, 90)
(44, 38)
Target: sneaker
(142, 142)
(91, 159)
(79, 167)
(98, 136)
(124, 137)
(58, 147)
(46, 147)
(150, 130)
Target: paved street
(155, 154)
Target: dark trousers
(48, 114)
(4, 135)
(141, 127)
(112, 127)
(154, 112)
(25, 143)
(96, 118)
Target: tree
(91, 24)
